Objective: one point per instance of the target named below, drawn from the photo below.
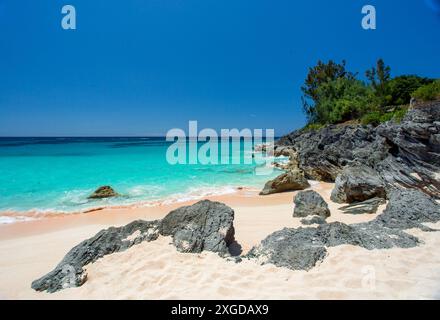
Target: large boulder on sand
(310, 203)
(205, 225)
(289, 181)
(103, 192)
(356, 184)
(70, 273)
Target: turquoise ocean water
(57, 174)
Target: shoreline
(156, 270)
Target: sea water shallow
(57, 174)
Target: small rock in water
(310, 203)
(103, 192)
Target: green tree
(428, 92)
(343, 99)
(401, 88)
(317, 76)
(379, 78)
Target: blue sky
(141, 67)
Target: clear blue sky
(141, 67)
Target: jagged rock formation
(356, 184)
(365, 207)
(405, 154)
(302, 248)
(310, 203)
(103, 192)
(70, 273)
(205, 225)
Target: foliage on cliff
(332, 94)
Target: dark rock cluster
(403, 155)
(205, 225)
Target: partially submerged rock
(310, 203)
(358, 183)
(289, 181)
(369, 206)
(205, 225)
(103, 192)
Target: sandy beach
(156, 270)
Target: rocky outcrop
(405, 154)
(303, 248)
(70, 273)
(289, 181)
(409, 209)
(205, 225)
(310, 203)
(369, 206)
(103, 192)
(356, 184)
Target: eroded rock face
(303, 248)
(313, 220)
(70, 273)
(103, 192)
(310, 203)
(369, 206)
(205, 225)
(405, 154)
(289, 181)
(356, 184)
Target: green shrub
(372, 118)
(428, 92)
(400, 114)
(376, 118)
(312, 127)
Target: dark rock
(302, 248)
(356, 184)
(406, 154)
(310, 203)
(313, 220)
(103, 192)
(369, 206)
(205, 225)
(290, 248)
(289, 181)
(409, 209)
(70, 273)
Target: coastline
(29, 249)
(156, 270)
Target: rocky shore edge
(394, 162)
